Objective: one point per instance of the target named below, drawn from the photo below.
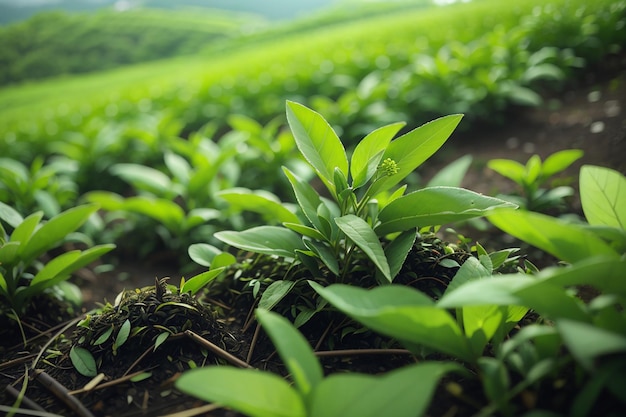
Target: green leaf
(495, 379)
(83, 361)
(178, 166)
(397, 251)
(104, 336)
(56, 266)
(434, 206)
(307, 198)
(510, 169)
(269, 240)
(8, 254)
(568, 242)
(409, 151)
(10, 215)
(452, 174)
(25, 229)
(167, 212)
(559, 161)
(145, 178)
(587, 342)
(471, 270)
(294, 350)
(391, 394)
(162, 337)
(360, 232)
(270, 396)
(196, 283)
(325, 253)
(52, 232)
(400, 312)
(603, 196)
(318, 142)
(276, 291)
(305, 231)
(369, 152)
(122, 335)
(262, 202)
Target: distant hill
(17, 10)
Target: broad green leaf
(276, 291)
(208, 255)
(56, 266)
(369, 152)
(307, 198)
(397, 251)
(400, 312)
(122, 335)
(53, 231)
(294, 350)
(410, 150)
(360, 232)
(196, 283)
(262, 202)
(305, 231)
(178, 166)
(25, 229)
(471, 270)
(8, 254)
(510, 169)
(145, 178)
(269, 396)
(167, 212)
(452, 174)
(603, 196)
(587, 342)
(269, 240)
(392, 394)
(106, 200)
(533, 170)
(199, 216)
(434, 206)
(568, 242)
(83, 361)
(317, 141)
(325, 254)
(559, 161)
(10, 215)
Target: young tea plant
(359, 219)
(533, 175)
(22, 275)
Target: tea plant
(22, 274)
(533, 175)
(403, 392)
(362, 214)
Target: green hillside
(57, 43)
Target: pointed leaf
(307, 198)
(272, 396)
(10, 215)
(587, 342)
(269, 240)
(369, 152)
(317, 142)
(25, 229)
(276, 291)
(359, 232)
(452, 174)
(603, 196)
(83, 361)
(409, 151)
(144, 178)
(196, 283)
(293, 349)
(262, 202)
(434, 206)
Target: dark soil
(590, 117)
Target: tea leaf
(24, 230)
(587, 342)
(410, 150)
(358, 231)
(369, 152)
(510, 169)
(10, 215)
(559, 161)
(269, 240)
(307, 198)
(83, 361)
(262, 202)
(196, 283)
(568, 242)
(144, 178)
(293, 349)
(122, 335)
(104, 336)
(397, 251)
(276, 291)
(162, 337)
(400, 312)
(272, 396)
(390, 394)
(434, 206)
(452, 174)
(603, 196)
(318, 142)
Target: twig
(26, 412)
(216, 349)
(62, 393)
(16, 361)
(352, 352)
(323, 336)
(139, 359)
(49, 342)
(24, 399)
(255, 336)
(107, 384)
(195, 411)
